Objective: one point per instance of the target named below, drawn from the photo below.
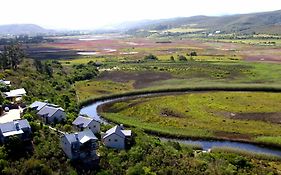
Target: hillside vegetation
(266, 22)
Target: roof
(117, 130)
(38, 105)
(49, 110)
(82, 137)
(127, 133)
(15, 93)
(84, 121)
(5, 82)
(9, 128)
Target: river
(91, 110)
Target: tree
(193, 53)
(182, 58)
(48, 69)
(172, 58)
(38, 65)
(34, 166)
(11, 56)
(150, 57)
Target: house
(82, 123)
(81, 145)
(37, 105)
(217, 32)
(15, 95)
(5, 83)
(20, 128)
(117, 137)
(51, 113)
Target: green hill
(265, 22)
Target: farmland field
(248, 116)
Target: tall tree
(11, 56)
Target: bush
(182, 58)
(150, 57)
(193, 53)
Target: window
(115, 140)
(94, 126)
(109, 139)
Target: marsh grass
(252, 155)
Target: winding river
(91, 110)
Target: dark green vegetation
(247, 116)
(147, 156)
(266, 22)
(47, 80)
(45, 158)
(11, 57)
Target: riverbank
(98, 106)
(217, 87)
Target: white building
(81, 145)
(51, 114)
(116, 137)
(83, 123)
(5, 82)
(15, 95)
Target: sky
(93, 14)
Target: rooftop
(84, 121)
(119, 131)
(14, 127)
(15, 93)
(38, 105)
(5, 82)
(49, 110)
(82, 137)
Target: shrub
(151, 57)
(182, 58)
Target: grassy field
(248, 116)
(173, 75)
(94, 89)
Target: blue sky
(90, 14)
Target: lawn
(226, 115)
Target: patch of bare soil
(264, 58)
(233, 136)
(170, 113)
(141, 79)
(272, 117)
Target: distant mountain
(17, 29)
(265, 22)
